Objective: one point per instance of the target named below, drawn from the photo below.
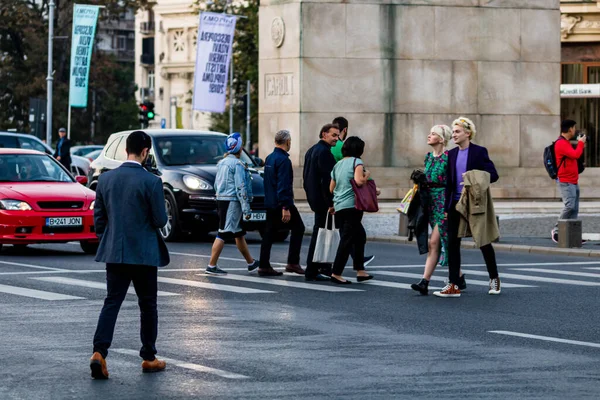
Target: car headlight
(14, 205)
(195, 183)
(92, 205)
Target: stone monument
(395, 68)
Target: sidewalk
(524, 226)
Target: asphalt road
(272, 338)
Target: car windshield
(31, 168)
(193, 150)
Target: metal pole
(248, 138)
(231, 96)
(69, 123)
(49, 78)
(93, 123)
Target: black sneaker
(215, 271)
(554, 235)
(368, 260)
(462, 283)
(254, 266)
(421, 287)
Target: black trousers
(352, 237)
(118, 278)
(274, 224)
(312, 269)
(454, 249)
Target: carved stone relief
(567, 24)
(277, 31)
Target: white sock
(211, 266)
(251, 263)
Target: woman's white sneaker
(494, 286)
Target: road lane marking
(220, 258)
(395, 285)
(283, 282)
(442, 279)
(557, 272)
(535, 278)
(547, 338)
(92, 285)
(212, 286)
(32, 266)
(187, 365)
(36, 294)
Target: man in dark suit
(318, 164)
(281, 211)
(465, 157)
(63, 149)
(128, 213)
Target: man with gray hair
(281, 212)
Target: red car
(41, 202)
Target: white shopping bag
(328, 241)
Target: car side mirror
(81, 179)
(150, 164)
(258, 161)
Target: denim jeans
(570, 198)
(118, 278)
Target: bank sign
(579, 91)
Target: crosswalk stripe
(557, 272)
(212, 286)
(174, 253)
(395, 285)
(187, 365)
(442, 279)
(32, 266)
(93, 285)
(36, 294)
(535, 278)
(283, 282)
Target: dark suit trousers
(274, 223)
(118, 278)
(454, 249)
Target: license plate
(259, 216)
(68, 221)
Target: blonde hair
(467, 125)
(443, 132)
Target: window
(122, 42)
(8, 142)
(111, 147)
(151, 80)
(31, 144)
(31, 168)
(121, 153)
(179, 41)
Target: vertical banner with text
(84, 29)
(213, 55)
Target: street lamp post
(49, 78)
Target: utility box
(569, 233)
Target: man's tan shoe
(98, 366)
(153, 366)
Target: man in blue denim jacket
(234, 194)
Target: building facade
(396, 68)
(165, 48)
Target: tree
(23, 69)
(245, 64)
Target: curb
(517, 248)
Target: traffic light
(149, 110)
(143, 114)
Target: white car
(80, 166)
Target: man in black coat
(281, 211)
(63, 149)
(318, 164)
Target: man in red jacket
(568, 171)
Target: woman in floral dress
(435, 170)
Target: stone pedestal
(396, 68)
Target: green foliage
(23, 70)
(245, 60)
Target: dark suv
(186, 161)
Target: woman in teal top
(348, 218)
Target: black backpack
(550, 162)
